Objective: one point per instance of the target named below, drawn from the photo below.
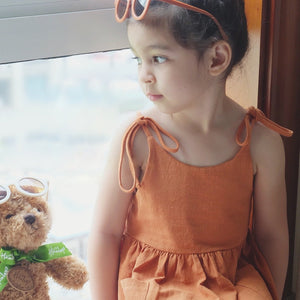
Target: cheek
(177, 78)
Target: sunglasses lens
(3, 193)
(121, 8)
(31, 185)
(139, 7)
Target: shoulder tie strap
(127, 145)
(256, 115)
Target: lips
(154, 97)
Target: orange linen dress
(188, 233)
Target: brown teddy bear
(24, 262)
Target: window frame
(21, 8)
(38, 31)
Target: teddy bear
(25, 262)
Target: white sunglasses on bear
(27, 186)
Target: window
(21, 8)
(53, 104)
(57, 117)
(32, 29)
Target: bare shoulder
(267, 148)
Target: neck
(206, 113)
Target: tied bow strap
(257, 115)
(9, 257)
(127, 145)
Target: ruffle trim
(221, 263)
(210, 274)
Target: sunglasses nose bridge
(35, 188)
(137, 8)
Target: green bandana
(10, 256)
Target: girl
(196, 207)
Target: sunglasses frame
(173, 2)
(22, 191)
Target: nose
(146, 75)
(29, 219)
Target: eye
(138, 60)
(159, 59)
(39, 209)
(9, 216)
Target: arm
(68, 271)
(270, 216)
(108, 224)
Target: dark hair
(197, 31)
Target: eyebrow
(158, 47)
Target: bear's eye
(9, 216)
(39, 209)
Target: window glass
(57, 117)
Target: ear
(219, 58)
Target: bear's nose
(29, 219)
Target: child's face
(172, 77)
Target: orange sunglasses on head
(139, 10)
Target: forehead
(144, 37)
(17, 203)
